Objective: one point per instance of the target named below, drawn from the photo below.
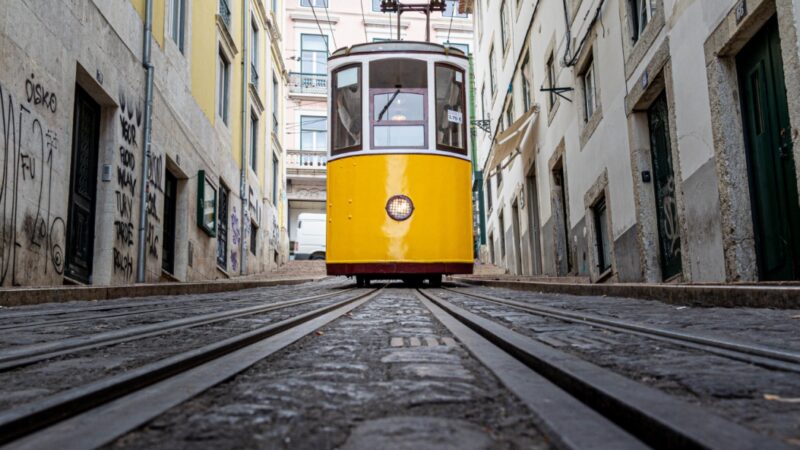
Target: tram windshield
(346, 118)
(398, 107)
(450, 102)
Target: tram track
(90, 313)
(20, 356)
(759, 355)
(581, 405)
(94, 414)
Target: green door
(669, 236)
(773, 182)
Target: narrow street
(323, 365)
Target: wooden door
(669, 237)
(83, 184)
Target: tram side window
(398, 99)
(451, 128)
(346, 114)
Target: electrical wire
(330, 25)
(570, 59)
(314, 11)
(364, 18)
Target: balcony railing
(225, 13)
(308, 83)
(307, 162)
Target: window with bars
(602, 243)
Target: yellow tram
(399, 172)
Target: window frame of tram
(337, 125)
(383, 77)
(443, 110)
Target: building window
(346, 110)
(589, 95)
(504, 27)
(451, 126)
(602, 242)
(274, 179)
(525, 81)
(254, 51)
(222, 228)
(491, 247)
(223, 86)
(640, 12)
(551, 79)
(275, 104)
(491, 72)
(451, 9)
(314, 3)
(274, 6)
(463, 47)
(253, 141)
(206, 204)
(499, 171)
(398, 91)
(489, 194)
(313, 132)
(376, 5)
(253, 239)
(510, 113)
(484, 108)
(502, 232)
(177, 22)
(313, 54)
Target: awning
(509, 140)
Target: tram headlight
(399, 207)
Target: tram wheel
(362, 281)
(435, 281)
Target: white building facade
(314, 29)
(640, 140)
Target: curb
(726, 296)
(61, 294)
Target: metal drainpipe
(148, 121)
(243, 173)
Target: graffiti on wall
(236, 237)
(129, 119)
(32, 234)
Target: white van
(310, 237)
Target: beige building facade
(312, 33)
(76, 138)
(641, 140)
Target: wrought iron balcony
(225, 13)
(306, 163)
(308, 83)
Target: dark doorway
(669, 236)
(170, 205)
(533, 225)
(83, 184)
(517, 244)
(564, 261)
(772, 177)
(222, 228)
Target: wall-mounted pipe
(243, 172)
(147, 133)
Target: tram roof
(397, 47)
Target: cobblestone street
(384, 373)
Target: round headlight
(399, 207)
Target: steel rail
(29, 354)
(753, 354)
(44, 323)
(656, 418)
(94, 414)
